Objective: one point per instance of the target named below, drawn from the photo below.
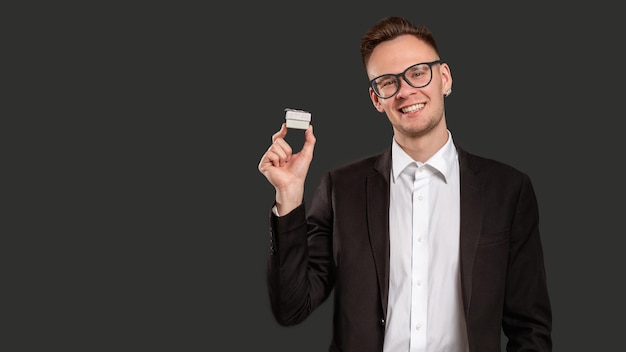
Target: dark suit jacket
(342, 242)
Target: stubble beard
(420, 128)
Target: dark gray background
(142, 217)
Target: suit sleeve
(527, 320)
(300, 265)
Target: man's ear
(375, 100)
(447, 79)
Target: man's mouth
(412, 108)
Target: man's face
(411, 111)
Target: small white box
(299, 119)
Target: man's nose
(405, 88)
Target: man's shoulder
(487, 166)
(363, 165)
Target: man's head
(408, 80)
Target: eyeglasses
(417, 76)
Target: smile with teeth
(412, 108)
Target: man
(426, 246)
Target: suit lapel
(471, 215)
(378, 222)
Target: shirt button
(418, 326)
(419, 282)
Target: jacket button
(382, 322)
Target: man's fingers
(279, 153)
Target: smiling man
(425, 246)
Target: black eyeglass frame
(403, 76)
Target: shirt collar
(442, 161)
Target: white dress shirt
(425, 310)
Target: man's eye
(415, 74)
(386, 83)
